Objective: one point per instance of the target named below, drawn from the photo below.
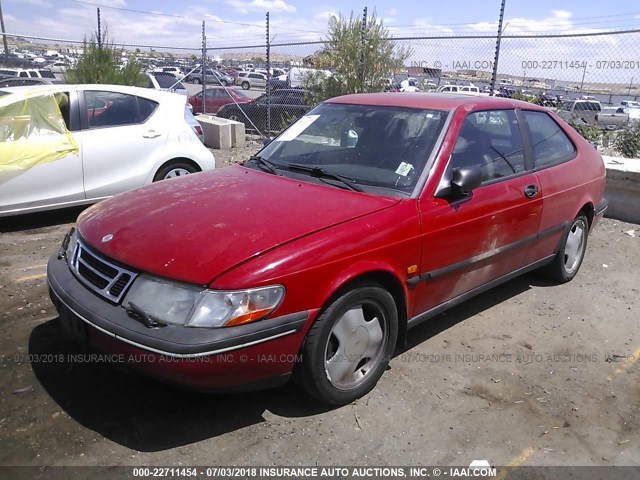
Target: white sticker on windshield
(297, 128)
(404, 169)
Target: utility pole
(99, 29)
(363, 29)
(4, 37)
(494, 74)
(628, 91)
(203, 69)
(584, 72)
(268, 132)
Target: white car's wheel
(173, 170)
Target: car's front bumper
(216, 358)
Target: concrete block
(221, 133)
(623, 188)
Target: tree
(99, 63)
(355, 69)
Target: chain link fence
(256, 83)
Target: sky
(232, 23)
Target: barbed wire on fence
(602, 65)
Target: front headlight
(190, 306)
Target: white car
(249, 80)
(471, 90)
(68, 145)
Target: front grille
(100, 275)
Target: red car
(368, 216)
(217, 97)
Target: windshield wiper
(318, 172)
(264, 164)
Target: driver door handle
(530, 191)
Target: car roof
(153, 94)
(436, 101)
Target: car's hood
(199, 226)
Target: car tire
(223, 83)
(174, 169)
(349, 346)
(573, 246)
(235, 117)
(198, 81)
(246, 86)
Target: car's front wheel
(567, 261)
(349, 346)
(245, 85)
(198, 80)
(173, 170)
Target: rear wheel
(173, 170)
(349, 346)
(198, 80)
(567, 261)
(246, 86)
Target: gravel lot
(527, 373)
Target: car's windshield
(376, 146)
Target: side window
(549, 142)
(147, 107)
(110, 109)
(489, 140)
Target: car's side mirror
(463, 181)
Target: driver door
(481, 236)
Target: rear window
(168, 81)
(46, 74)
(588, 106)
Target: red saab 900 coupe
(369, 215)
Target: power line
(160, 14)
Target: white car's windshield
(376, 146)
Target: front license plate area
(72, 325)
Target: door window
(490, 140)
(549, 143)
(111, 109)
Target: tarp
(32, 130)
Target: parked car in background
(58, 67)
(28, 72)
(67, 145)
(278, 83)
(462, 90)
(212, 77)
(249, 80)
(286, 107)
(216, 97)
(392, 207)
(612, 118)
(26, 81)
(166, 82)
(175, 71)
(580, 110)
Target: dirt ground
(527, 373)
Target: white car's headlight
(178, 304)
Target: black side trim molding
(439, 272)
(418, 319)
(602, 206)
